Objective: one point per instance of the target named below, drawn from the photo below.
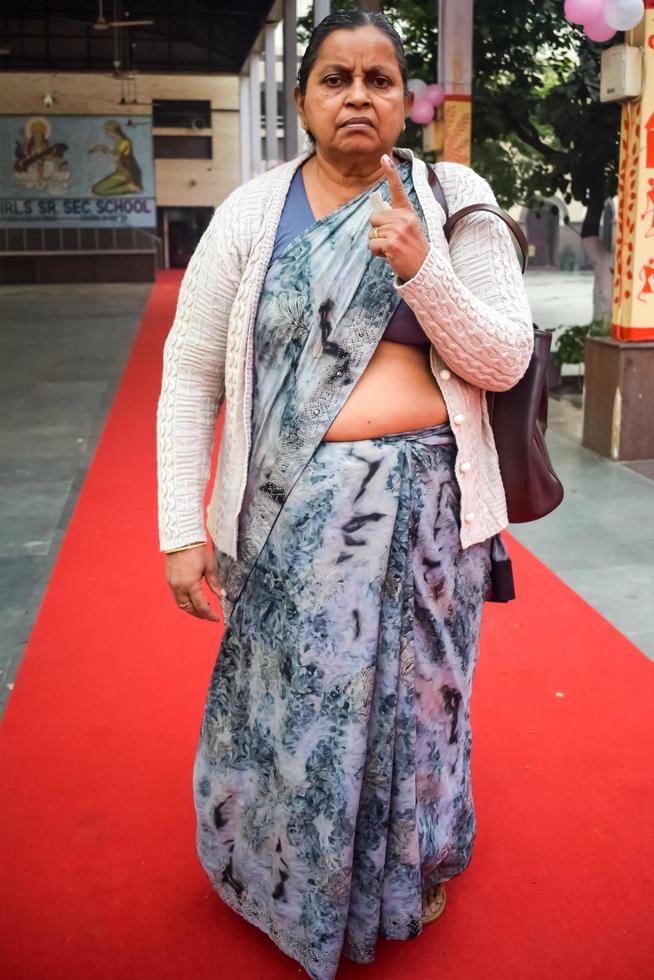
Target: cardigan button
(464, 467)
(445, 374)
(223, 592)
(459, 418)
(470, 516)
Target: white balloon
(622, 15)
(417, 86)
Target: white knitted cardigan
(469, 298)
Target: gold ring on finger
(182, 605)
(375, 233)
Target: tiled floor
(62, 352)
(600, 540)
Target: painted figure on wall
(39, 163)
(646, 274)
(126, 177)
(650, 208)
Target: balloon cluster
(426, 98)
(602, 18)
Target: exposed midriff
(396, 391)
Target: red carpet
(97, 828)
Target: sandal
(438, 903)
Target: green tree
(536, 87)
(538, 125)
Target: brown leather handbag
(518, 416)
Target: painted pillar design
(633, 283)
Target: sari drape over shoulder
(325, 303)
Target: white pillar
(245, 127)
(255, 113)
(270, 88)
(166, 238)
(290, 73)
(321, 9)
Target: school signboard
(76, 171)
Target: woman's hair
(349, 20)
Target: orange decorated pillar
(619, 369)
(633, 284)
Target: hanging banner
(76, 171)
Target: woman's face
(355, 77)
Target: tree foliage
(536, 90)
(538, 125)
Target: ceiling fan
(102, 24)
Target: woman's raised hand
(184, 573)
(400, 239)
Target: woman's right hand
(184, 573)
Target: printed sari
(332, 776)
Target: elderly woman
(355, 512)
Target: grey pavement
(560, 298)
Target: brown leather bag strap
(469, 208)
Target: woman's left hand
(400, 239)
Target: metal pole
(290, 73)
(244, 126)
(455, 74)
(255, 113)
(166, 238)
(321, 9)
(270, 88)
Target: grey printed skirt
(332, 776)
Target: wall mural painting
(72, 171)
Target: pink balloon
(582, 11)
(598, 30)
(422, 112)
(434, 94)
